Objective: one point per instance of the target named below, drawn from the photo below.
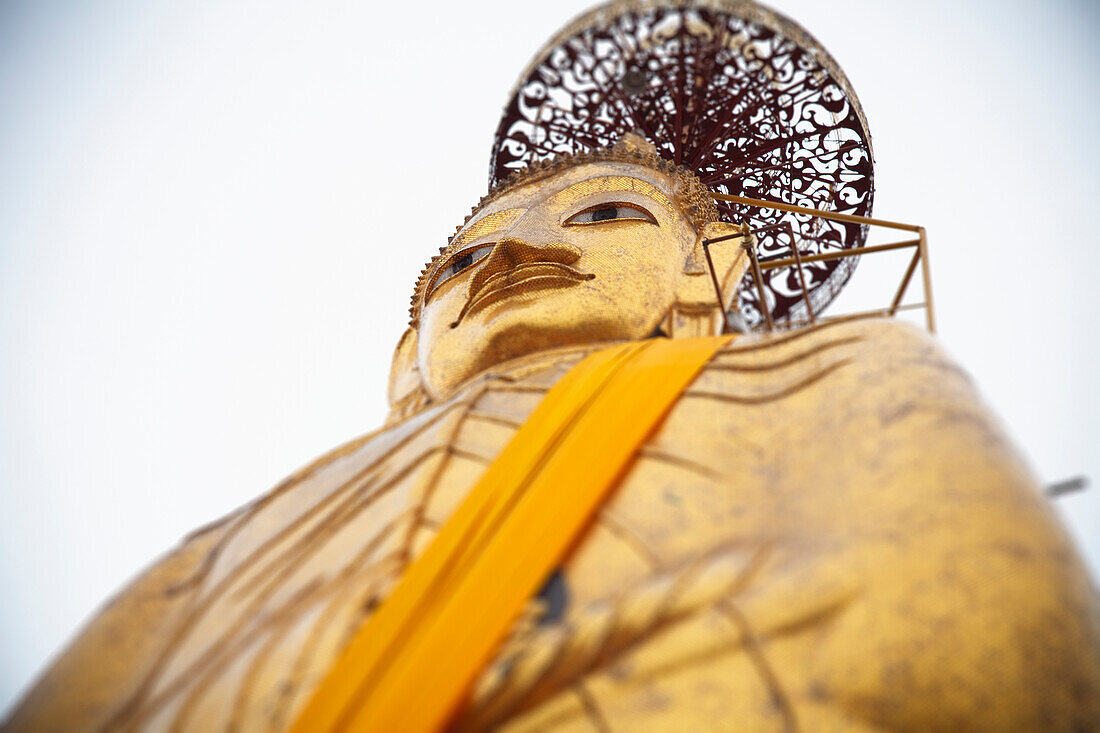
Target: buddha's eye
(460, 261)
(610, 212)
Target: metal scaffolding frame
(748, 237)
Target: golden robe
(828, 532)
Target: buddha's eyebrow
(611, 184)
(485, 225)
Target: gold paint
(692, 196)
(548, 283)
(518, 522)
(484, 225)
(599, 186)
(829, 531)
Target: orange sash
(415, 660)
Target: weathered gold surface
(829, 532)
(546, 280)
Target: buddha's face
(591, 254)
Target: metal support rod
(750, 248)
(905, 282)
(849, 218)
(758, 268)
(753, 232)
(1061, 488)
(929, 313)
(839, 254)
(714, 275)
(719, 240)
(801, 275)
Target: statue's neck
(514, 368)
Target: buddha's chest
(301, 569)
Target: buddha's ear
(729, 257)
(406, 391)
(696, 310)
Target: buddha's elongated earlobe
(405, 392)
(726, 259)
(707, 289)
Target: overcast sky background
(212, 214)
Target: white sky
(212, 214)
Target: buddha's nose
(515, 251)
(511, 252)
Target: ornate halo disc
(735, 92)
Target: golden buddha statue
(826, 530)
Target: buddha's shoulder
(850, 377)
(892, 351)
(864, 354)
(869, 339)
(854, 348)
(826, 373)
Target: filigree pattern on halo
(739, 94)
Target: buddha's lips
(523, 278)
